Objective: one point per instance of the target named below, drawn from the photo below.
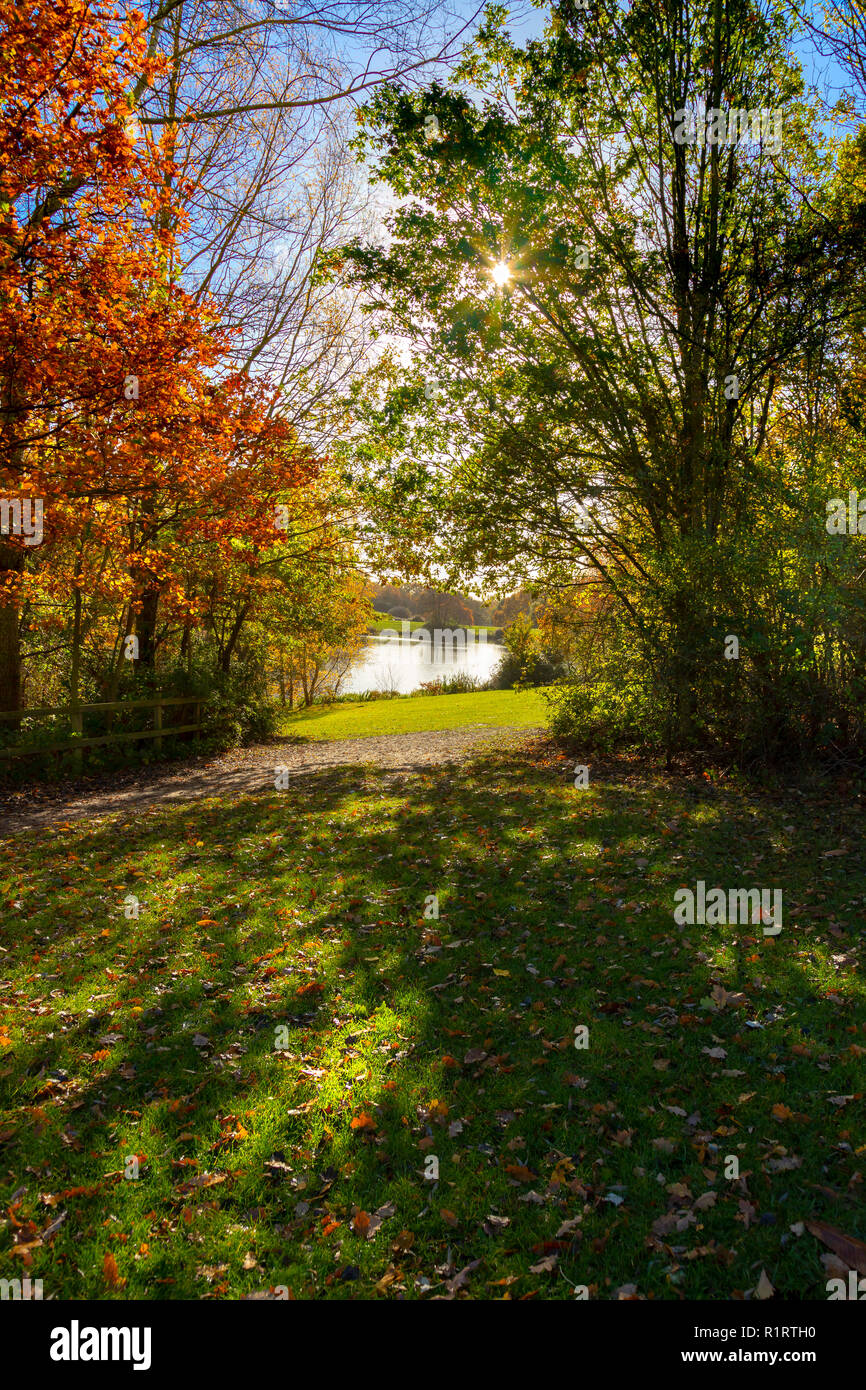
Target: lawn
(417, 714)
(382, 621)
(245, 1088)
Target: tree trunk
(11, 565)
(226, 655)
(145, 624)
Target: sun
(501, 273)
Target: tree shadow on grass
(285, 1040)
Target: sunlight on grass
(281, 1039)
(497, 708)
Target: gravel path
(245, 771)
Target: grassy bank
(506, 708)
(381, 621)
(282, 1042)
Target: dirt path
(244, 771)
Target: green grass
(297, 918)
(379, 622)
(506, 708)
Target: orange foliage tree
(117, 416)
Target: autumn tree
(154, 458)
(65, 261)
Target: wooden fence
(75, 713)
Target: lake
(401, 663)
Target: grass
(382, 621)
(416, 714)
(285, 1040)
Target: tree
(513, 607)
(157, 463)
(255, 98)
(445, 610)
(316, 632)
(609, 305)
(75, 251)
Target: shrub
(606, 715)
(460, 684)
(536, 668)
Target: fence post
(157, 724)
(77, 722)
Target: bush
(536, 668)
(233, 715)
(236, 706)
(460, 684)
(607, 715)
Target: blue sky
(528, 21)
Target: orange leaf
(361, 1223)
(110, 1272)
(781, 1112)
(519, 1171)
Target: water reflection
(402, 663)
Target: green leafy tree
(606, 313)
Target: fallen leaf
(568, 1228)
(493, 1225)
(848, 1248)
(452, 1285)
(764, 1289)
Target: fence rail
(75, 713)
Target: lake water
(401, 664)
